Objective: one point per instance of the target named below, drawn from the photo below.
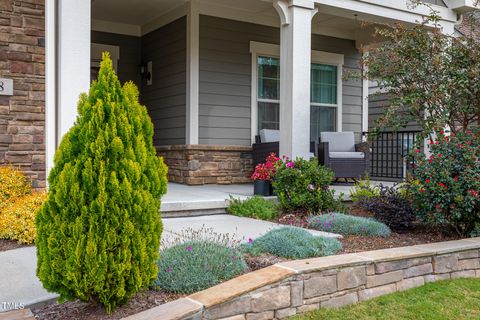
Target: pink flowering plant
(448, 182)
(302, 186)
(266, 171)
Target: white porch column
(74, 27)
(295, 68)
(193, 73)
(68, 27)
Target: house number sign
(6, 87)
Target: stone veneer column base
(207, 164)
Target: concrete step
(193, 208)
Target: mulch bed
(6, 245)
(85, 311)
(77, 310)
(419, 234)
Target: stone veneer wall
(294, 287)
(22, 58)
(206, 164)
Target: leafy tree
(99, 230)
(432, 78)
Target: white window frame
(260, 49)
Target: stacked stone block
(295, 287)
(22, 59)
(206, 164)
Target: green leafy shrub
(393, 206)
(348, 225)
(293, 243)
(255, 207)
(197, 265)
(98, 233)
(363, 189)
(303, 185)
(448, 192)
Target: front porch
(213, 73)
(183, 200)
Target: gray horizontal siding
(225, 78)
(377, 106)
(130, 55)
(166, 98)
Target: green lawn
(457, 299)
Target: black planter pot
(261, 188)
(272, 190)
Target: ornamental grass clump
(292, 243)
(197, 265)
(348, 225)
(448, 189)
(98, 233)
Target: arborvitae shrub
(98, 233)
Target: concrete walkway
(19, 283)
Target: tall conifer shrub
(99, 231)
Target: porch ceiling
(136, 12)
(140, 13)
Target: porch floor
(183, 200)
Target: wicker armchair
(338, 151)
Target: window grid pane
(322, 119)
(324, 84)
(268, 78)
(268, 116)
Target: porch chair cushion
(347, 155)
(339, 141)
(268, 135)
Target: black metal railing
(389, 157)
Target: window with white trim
(324, 91)
(268, 93)
(324, 102)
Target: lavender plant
(196, 265)
(348, 225)
(195, 259)
(292, 243)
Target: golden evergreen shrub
(13, 183)
(17, 218)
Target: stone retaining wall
(205, 164)
(295, 287)
(22, 59)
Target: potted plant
(263, 175)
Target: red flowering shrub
(266, 171)
(448, 186)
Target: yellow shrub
(17, 218)
(13, 183)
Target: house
(211, 72)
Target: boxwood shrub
(348, 225)
(197, 265)
(292, 243)
(254, 207)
